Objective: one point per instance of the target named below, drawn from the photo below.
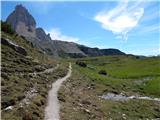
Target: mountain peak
(24, 24)
(40, 33)
(20, 7)
(22, 21)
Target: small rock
(80, 105)
(87, 111)
(124, 116)
(61, 99)
(86, 102)
(156, 109)
(8, 108)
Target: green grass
(125, 74)
(152, 86)
(16, 81)
(126, 67)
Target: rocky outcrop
(67, 49)
(111, 52)
(14, 46)
(22, 21)
(42, 35)
(99, 52)
(24, 24)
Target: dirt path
(32, 92)
(49, 70)
(52, 109)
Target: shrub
(6, 28)
(102, 72)
(80, 63)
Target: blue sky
(132, 27)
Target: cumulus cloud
(121, 19)
(56, 34)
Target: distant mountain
(25, 25)
(93, 52)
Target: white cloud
(56, 34)
(121, 19)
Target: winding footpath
(53, 107)
(32, 92)
(49, 70)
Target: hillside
(25, 80)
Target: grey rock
(24, 24)
(42, 35)
(93, 52)
(22, 21)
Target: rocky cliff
(24, 24)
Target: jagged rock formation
(24, 24)
(42, 35)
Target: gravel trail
(52, 109)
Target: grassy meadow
(129, 75)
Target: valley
(50, 79)
(26, 80)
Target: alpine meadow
(80, 60)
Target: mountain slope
(24, 85)
(93, 52)
(24, 24)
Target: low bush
(102, 72)
(6, 28)
(80, 63)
